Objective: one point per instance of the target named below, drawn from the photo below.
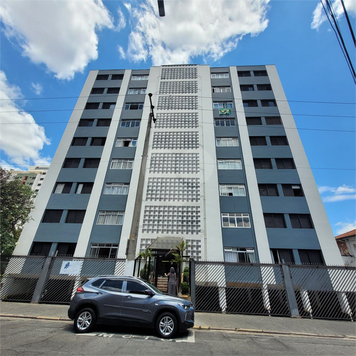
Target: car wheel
(85, 320)
(166, 325)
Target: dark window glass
(285, 163)
(91, 162)
(84, 188)
(301, 221)
(97, 91)
(79, 141)
(113, 90)
(98, 141)
(134, 287)
(71, 163)
(313, 257)
(273, 120)
(112, 285)
(262, 163)
(274, 220)
(258, 141)
(270, 103)
(279, 141)
(86, 122)
(246, 88)
(103, 122)
(264, 87)
(66, 249)
(75, 216)
(224, 122)
(130, 123)
(268, 190)
(244, 73)
(260, 73)
(250, 103)
(92, 106)
(283, 256)
(117, 77)
(109, 105)
(102, 77)
(292, 190)
(98, 283)
(40, 248)
(62, 188)
(52, 216)
(254, 121)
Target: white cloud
(341, 193)
(345, 227)
(201, 27)
(21, 139)
(121, 52)
(37, 88)
(319, 14)
(121, 21)
(59, 33)
(341, 197)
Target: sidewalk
(211, 321)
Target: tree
(178, 258)
(145, 271)
(16, 203)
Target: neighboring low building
(33, 177)
(347, 246)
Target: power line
(348, 22)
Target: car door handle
(128, 297)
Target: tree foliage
(16, 203)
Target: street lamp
(161, 8)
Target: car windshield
(154, 288)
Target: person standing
(172, 290)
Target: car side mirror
(149, 292)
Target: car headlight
(185, 306)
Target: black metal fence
(274, 289)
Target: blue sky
(48, 47)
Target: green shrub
(186, 275)
(185, 288)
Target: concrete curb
(33, 317)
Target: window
(113, 285)
(282, 255)
(86, 122)
(260, 73)
(98, 141)
(130, 123)
(103, 122)
(62, 188)
(221, 90)
(262, 163)
(240, 255)
(253, 121)
(243, 73)
(79, 141)
(258, 141)
(249, 103)
(279, 141)
(97, 91)
(269, 102)
(75, 216)
(121, 164)
(273, 120)
(140, 77)
(219, 75)
(117, 76)
(65, 249)
(52, 216)
(92, 106)
(84, 188)
(102, 77)
(71, 163)
(91, 162)
(292, 190)
(113, 90)
(224, 122)
(110, 217)
(235, 220)
(285, 163)
(103, 250)
(301, 221)
(248, 87)
(232, 190)
(133, 106)
(109, 105)
(227, 142)
(116, 189)
(135, 288)
(126, 142)
(40, 248)
(312, 257)
(137, 91)
(274, 221)
(269, 190)
(229, 164)
(222, 105)
(264, 87)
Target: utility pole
(161, 8)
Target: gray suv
(129, 301)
